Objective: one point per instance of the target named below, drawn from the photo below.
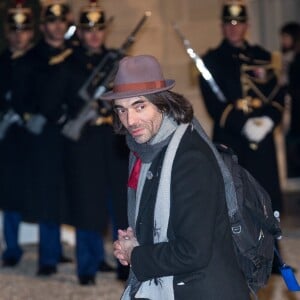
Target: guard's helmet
(92, 16)
(55, 10)
(19, 17)
(234, 12)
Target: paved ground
(21, 283)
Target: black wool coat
(40, 92)
(14, 171)
(199, 252)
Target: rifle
(201, 66)
(98, 83)
(72, 129)
(101, 78)
(9, 118)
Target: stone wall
(198, 20)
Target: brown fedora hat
(137, 76)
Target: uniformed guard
(290, 47)
(96, 162)
(43, 118)
(19, 34)
(253, 107)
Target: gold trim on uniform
(256, 103)
(249, 83)
(243, 104)
(225, 114)
(103, 120)
(18, 53)
(247, 104)
(60, 57)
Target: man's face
(235, 33)
(54, 30)
(92, 38)
(286, 42)
(19, 40)
(140, 117)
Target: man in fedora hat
(248, 77)
(179, 243)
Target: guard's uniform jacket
(293, 136)
(97, 163)
(13, 148)
(44, 97)
(247, 78)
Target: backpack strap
(230, 192)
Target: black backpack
(254, 227)
(253, 224)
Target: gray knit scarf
(147, 152)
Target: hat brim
(51, 19)
(20, 28)
(111, 95)
(92, 26)
(236, 19)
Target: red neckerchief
(135, 173)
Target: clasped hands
(124, 245)
(256, 129)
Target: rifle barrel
(131, 38)
(200, 65)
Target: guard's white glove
(256, 129)
(36, 124)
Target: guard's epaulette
(60, 57)
(20, 53)
(17, 54)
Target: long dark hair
(293, 30)
(170, 103)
